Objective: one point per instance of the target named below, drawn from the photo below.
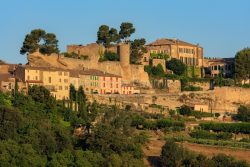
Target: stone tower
(124, 53)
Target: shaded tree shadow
(154, 161)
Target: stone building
(56, 80)
(95, 81)
(214, 66)
(7, 82)
(189, 54)
(7, 79)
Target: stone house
(189, 54)
(56, 80)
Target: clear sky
(222, 27)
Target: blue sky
(222, 27)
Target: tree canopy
(38, 39)
(137, 50)
(106, 36)
(176, 66)
(242, 64)
(126, 30)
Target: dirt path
(152, 151)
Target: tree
(126, 30)
(81, 101)
(137, 50)
(72, 95)
(242, 64)
(243, 114)
(176, 66)
(185, 110)
(42, 95)
(38, 39)
(157, 70)
(106, 36)
(172, 155)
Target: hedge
(227, 127)
(208, 135)
(212, 142)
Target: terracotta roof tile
(166, 41)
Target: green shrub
(208, 135)
(192, 88)
(227, 127)
(109, 56)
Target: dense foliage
(141, 122)
(126, 30)
(106, 36)
(174, 155)
(137, 50)
(155, 71)
(159, 56)
(35, 132)
(208, 135)
(109, 56)
(176, 66)
(242, 61)
(227, 127)
(243, 114)
(38, 39)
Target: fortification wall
(129, 73)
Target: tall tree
(72, 95)
(126, 30)
(38, 39)
(137, 50)
(242, 64)
(106, 35)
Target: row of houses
(58, 80)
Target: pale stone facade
(215, 66)
(189, 54)
(54, 79)
(7, 82)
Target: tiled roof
(166, 41)
(76, 73)
(5, 77)
(34, 81)
(43, 68)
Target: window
(111, 85)
(65, 80)
(103, 78)
(60, 87)
(104, 85)
(60, 73)
(116, 79)
(116, 85)
(60, 80)
(65, 74)
(36, 78)
(66, 87)
(49, 79)
(110, 78)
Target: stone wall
(130, 73)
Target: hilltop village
(122, 82)
(120, 102)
